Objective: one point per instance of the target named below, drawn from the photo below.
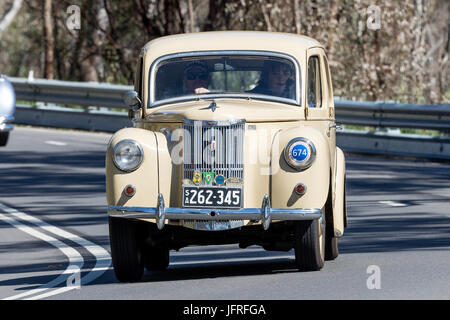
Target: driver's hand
(201, 90)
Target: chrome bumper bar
(265, 214)
(4, 123)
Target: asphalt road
(53, 221)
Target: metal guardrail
(108, 96)
(70, 92)
(394, 115)
(376, 114)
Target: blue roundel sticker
(220, 179)
(299, 153)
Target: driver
(196, 78)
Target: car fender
(316, 178)
(339, 209)
(145, 178)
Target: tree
(49, 40)
(405, 59)
(9, 16)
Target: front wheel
(3, 138)
(156, 258)
(126, 254)
(331, 248)
(309, 244)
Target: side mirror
(132, 100)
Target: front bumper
(265, 214)
(5, 123)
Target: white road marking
(103, 259)
(56, 143)
(393, 203)
(75, 259)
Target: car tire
(331, 242)
(156, 258)
(331, 248)
(127, 258)
(3, 138)
(309, 245)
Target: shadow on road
(396, 232)
(38, 174)
(221, 270)
(418, 185)
(61, 183)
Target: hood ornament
(213, 106)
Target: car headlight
(128, 155)
(300, 153)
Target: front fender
(145, 178)
(284, 178)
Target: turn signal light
(300, 189)
(129, 190)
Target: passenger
(196, 78)
(276, 80)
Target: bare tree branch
(9, 16)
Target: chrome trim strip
(212, 225)
(160, 213)
(210, 123)
(209, 96)
(220, 214)
(266, 214)
(151, 80)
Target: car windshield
(231, 75)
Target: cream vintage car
(234, 141)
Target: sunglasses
(193, 76)
(278, 71)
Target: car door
(319, 98)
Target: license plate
(208, 197)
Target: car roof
(229, 40)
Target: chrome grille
(213, 146)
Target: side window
(138, 78)
(314, 83)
